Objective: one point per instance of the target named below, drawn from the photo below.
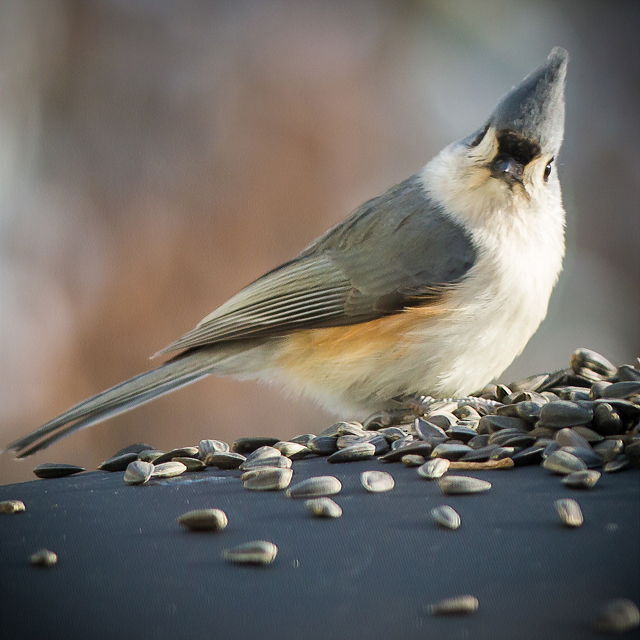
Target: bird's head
(509, 164)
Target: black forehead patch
(517, 146)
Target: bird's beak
(535, 108)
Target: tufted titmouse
(434, 287)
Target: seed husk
(43, 558)
(357, 451)
(323, 445)
(181, 452)
(455, 606)
(489, 465)
(118, 463)
(446, 516)
(450, 451)
(453, 485)
(582, 479)
(138, 472)
(247, 445)
(211, 447)
(409, 460)
(618, 616)
(563, 462)
(12, 506)
(292, 450)
(192, 464)
(591, 365)
(434, 468)
(150, 455)
(563, 413)
(377, 481)
(262, 456)
(259, 552)
(323, 508)
(230, 460)
(168, 469)
(204, 520)
(569, 512)
(268, 479)
(56, 470)
(281, 462)
(619, 464)
(315, 487)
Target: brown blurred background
(157, 156)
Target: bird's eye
(547, 170)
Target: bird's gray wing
(395, 251)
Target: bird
(431, 288)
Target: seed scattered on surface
(181, 452)
(259, 552)
(204, 520)
(434, 468)
(563, 462)
(569, 512)
(323, 508)
(266, 456)
(150, 455)
(12, 506)
(315, 487)
(489, 465)
(168, 469)
(192, 464)
(118, 463)
(585, 479)
(618, 616)
(138, 472)
(446, 516)
(246, 445)
(292, 450)
(357, 451)
(452, 485)
(56, 470)
(43, 558)
(229, 460)
(377, 481)
(267, 479)
(211, 447)
(414, 460)
(455, 606)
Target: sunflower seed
(43, 558)
(268, 479)
(315, 487)
(261, 456)
(591, 365)
(609, 449)
(618, 616)
(280, 461)
(619, 464)
(303, 439)
(377, 481)
(462, 484)
(292, 450)
(182, 452)
(256, 552)
(118, 463)
(323, 445)
(446, 516)
(425, 430)
(409, 460)
(569, 438)
(56, 470)
(168, 469)
(582, 479)
(224, 460)
(210, 447)
(417, 447)
(455, 606)
(434, 468)
(450, 451)
(204, 520)
(357, 451)
(563, 462)
(150, 455)
(245, 446)
(323, 508)
(192, 464)
(11, 506)
(563, 413)
(138, 472)
(569, 512)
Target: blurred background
(157, 156)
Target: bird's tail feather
(172, 375)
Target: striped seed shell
(204, 520)
(259, 552)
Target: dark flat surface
(126, 569)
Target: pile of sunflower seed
(575, 423)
